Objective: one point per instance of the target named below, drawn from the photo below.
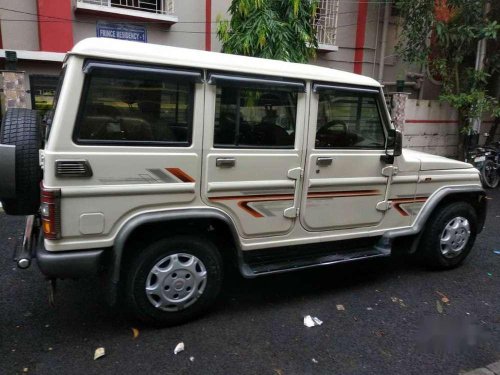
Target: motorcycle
(487, 160)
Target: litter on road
(497, 252)
(310, 321)
(340, 307)
(398, 300)
(179, 348)
(99, 352)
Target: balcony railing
(325, 24)
(155, 9)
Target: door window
(249, 117)
(349, 120)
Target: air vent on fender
(73, 168)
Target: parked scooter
(487, 160)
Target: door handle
(324, 162)
(225, 162)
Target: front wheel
(173, 280)
(489, 174)
(449, 236)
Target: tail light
(50, 212)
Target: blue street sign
(122, 31)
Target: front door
(252, 151)
(343, 180)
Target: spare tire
(21, 127)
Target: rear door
(139, 136)
(343, 180)
(254, 129)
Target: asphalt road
(395, 321)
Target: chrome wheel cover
(454, 237)
(176, 282)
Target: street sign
(122, 31)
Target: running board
(273, 261)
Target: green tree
(272, 29)
(443, 35)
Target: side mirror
(398, 143)
(394, 146)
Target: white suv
(159, 163)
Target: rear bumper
(58, 264)
(69, 264)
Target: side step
(269, 261)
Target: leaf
(444, 299)
(135, 332)
(439, 307)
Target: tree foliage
(443, 35)
(273, 29)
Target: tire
(432, 250)
(21, 127)
(489, 174)
(173, 309)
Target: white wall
(432, 126)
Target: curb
(491, 369)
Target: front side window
(255, 117)
(121, 107)
(349, 120)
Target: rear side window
(349, 120)
(127, 107)
(251, 117)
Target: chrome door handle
(225, 162)
(324, 162)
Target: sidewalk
(491, 369)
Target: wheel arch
(178, 221)
(472, 194)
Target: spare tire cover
(21, 127)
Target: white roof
(114, 49)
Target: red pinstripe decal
(244, 205)
(341, 194)
(244, 201)
(180, 174)
(396, 203)
(251, 198)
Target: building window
(43, 89)
(151, 6)
(325, 24)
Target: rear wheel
(173, 280)
(449, 236)
(489, 174)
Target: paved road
(256, 327)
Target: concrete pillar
(14, 95)
(398, 110)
